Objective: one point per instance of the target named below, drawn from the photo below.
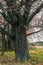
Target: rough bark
(22, 51)
(3, 44)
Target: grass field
(36, 58)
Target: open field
(36, 58)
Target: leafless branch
(34, 32)
(34, 13)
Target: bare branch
(3, 31)
(34, 13)
(40, 26)
(34, 32)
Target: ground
(35, 59)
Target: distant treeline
(40, 43)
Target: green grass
(36, 57)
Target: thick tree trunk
(22, 51)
